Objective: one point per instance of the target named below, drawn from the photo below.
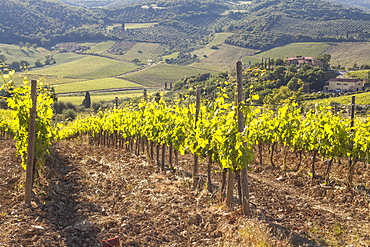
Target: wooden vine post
(352, 159)
(196, 158)
(244, 173)
(30, 168)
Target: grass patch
(311, 49)
(361, 74)
(66, 57)
(223, 59)
(251, 60)
(157, 75)
(361, 99)
(99, 84)
(47, 80)
(13, 53)
(132, 25)
(95, 98)
(348, 53)
(172, 55)
(100, 47)
(250, 232)
(144, 52)
(89, 67)
(139, 25)
(219, 39)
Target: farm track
(88, 193)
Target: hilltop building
(344, 85)
(300, 61)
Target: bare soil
(86, 194)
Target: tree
(87, 100)
(15, 66)
(279, 96)
(49, 59)
(24, 64)
(279, 61)
(38, 63)
(136, 61)
(294, 84)
(325, 58)
(2, 58)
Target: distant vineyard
(319, 29)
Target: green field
(249, 59)
(13, 53)
(223, 59)
(216, 41)
(139, 25)
(95, 98)
(89, 67)
(348, 53)
(345, 53)
(144, 52)
(309, 49)
(129, 25)
(361, 74)
(172, 55)
(66, 57)
(361, 99)
(157, 75)
(219, 39)
(47, 80)
(99, 47)
(98, 84)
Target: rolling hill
(183, 25)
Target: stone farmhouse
(300, 61)
(338, 85)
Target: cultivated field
(144, 52)
(223, 59)
(13, 53)
(348, 53)
(361, 99)
(157, 75)
(77, 100)
(361, 74)
(132, 25)
(251, 60)
(90, 67)
(218, 40)
(311, 49)
(99, 47)
(98, 84)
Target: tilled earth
(88, 194)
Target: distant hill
(100, 3)
(183, 25)
(44, 21)
(273, 23)
(362, 4)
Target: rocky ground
(87, 194)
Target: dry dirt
(87, 194)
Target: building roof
(345, 80)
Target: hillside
(362, 4)
(183, 25)
(273, 23)
(100, 3)
(45, 21)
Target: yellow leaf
(255, 97)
